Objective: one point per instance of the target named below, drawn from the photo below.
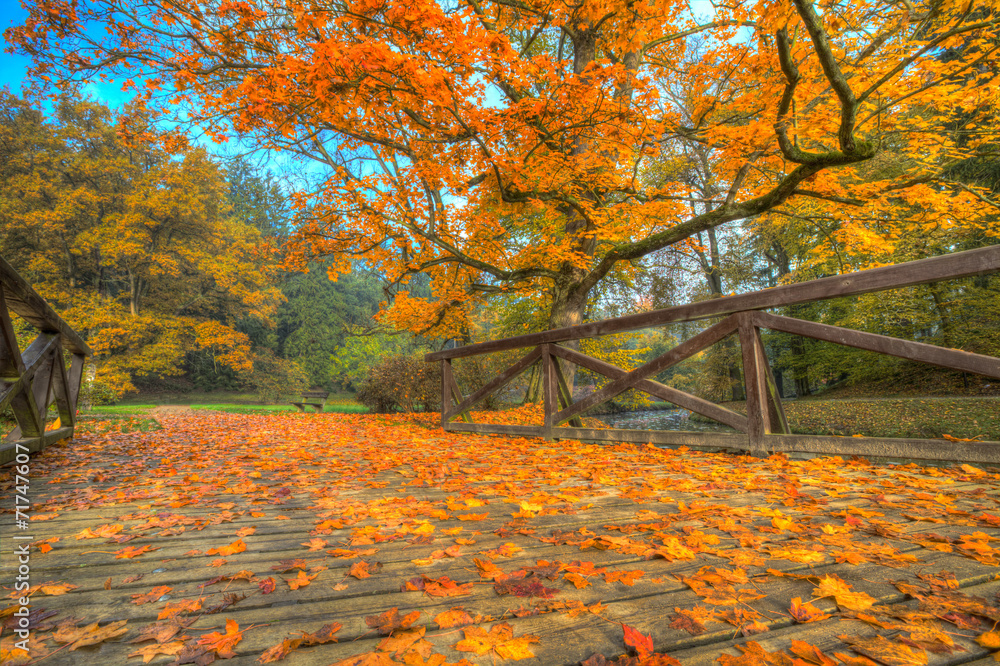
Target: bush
(401, 384)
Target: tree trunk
(568, 306)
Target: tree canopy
(540, 147)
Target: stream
(668, 419)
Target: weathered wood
(75, 380)
(22, 299)
(951, 266)
(657, 390)
(494, 429)
(914, 351)
(682, 351)
(11, 365)
(722, 440)
(456, 395)
(446, 397)
(505, 377)
(757, 416)
(565, 395)
(775, 410)
(549, 392)
(886, 447)
(8, 450)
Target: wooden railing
(30, 382)
(764, 428)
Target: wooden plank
(885, 447)
(914, 351)
(24, 301)
(565, 395)
(775, 410)
(757, 416)
(525, 362)
(8, 450)
(549, 392)
(951, 266)
(75, 380)
(682, 351)
(670, 437)
(11, 365)
(446, 405)
(494, 429)
(656, 389)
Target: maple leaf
(689, 621)
(405, 640)
(578, 581)
(444, 587)
(161, 632)
(152, 595)
(830, 586)
(267, 586)
(885, 651)
(302, 580)
(223, 644)
(246, 531)
(368, 659)
(362, 569)
(641, 644)
(225, 551)
(91, 634)
(529, 587)
(390, 621)
(315, 544)
(129, 552)
(284, 566)
(456, 617)
(810, 653)
(101, 532)
(499, 639)
(150, 652)
(183, 606)
(624, 577)
(806, 612)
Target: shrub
(401, 384)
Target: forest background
(188, 269)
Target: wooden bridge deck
(300, 491)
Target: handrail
(32, 381)
(764, 427)
(908, 274)
(24, 301)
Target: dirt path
(170, 409)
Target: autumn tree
(134, 244)
(503, 145)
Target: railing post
(549, 388)
(756, 390)
(445, 392)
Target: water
(666, 419)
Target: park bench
(312, 399)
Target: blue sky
(14, 68)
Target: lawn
(919, 418)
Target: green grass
(119, 409)
(917, 418)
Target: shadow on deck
(563, 543)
